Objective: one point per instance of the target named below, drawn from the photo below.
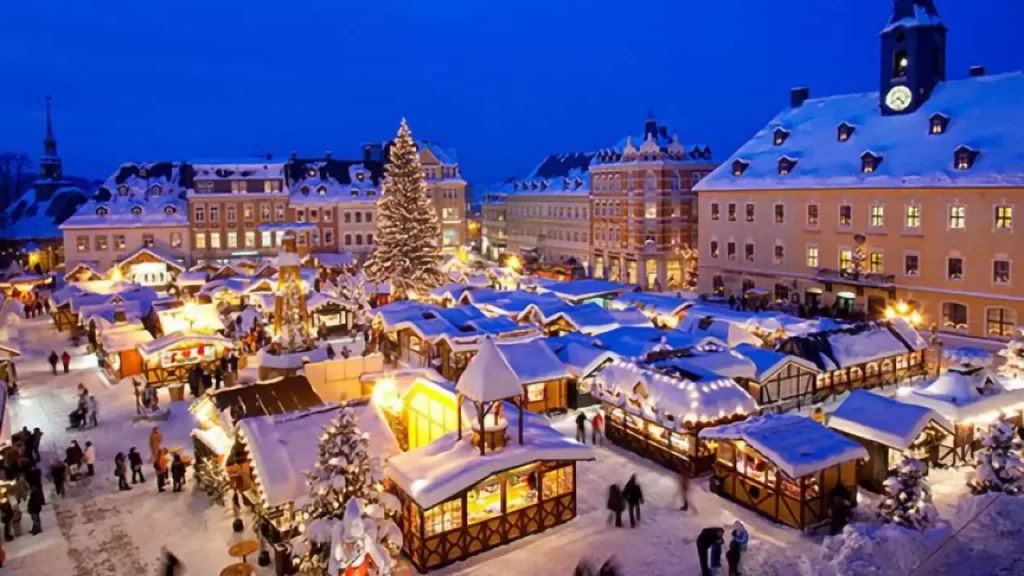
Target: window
(101, 242)
(875, 262)
(845, 215)
(954, 316)
(247, 211)
(250, 239)
(844, 131)
(739, 167)
(82, 242)
(812, 256)
(845, 259)
(748, 251)
(175, 239)
(300, 215)
(957, 216)
(232, 239)
(278, 237)
(750, 212)
(102, 211)
(714, 248)
(119, 242)
(314, 215)
(955, 268)
(913, 216)
(714, 211)
(265, 239)
(232, 212)
(214, 214)
(963, 158)
(1001, 271)
(328, 237)
(155, 190)
(300, 239)
(200, 214)
(786, 166)
(264, 212)
(359, 239)
(271, 186)
(215, 240)
(328, 214)
(348, 239)
(938, 123)
(535, 392)
(651, 209)
(170, 210)
(1004, 217)
(279, 212)
(1000, 322)
(148, 240)
(314, 237)
(200, 241)
(780, 136)
(780, 214)
(912, 264)
(321, 190)
(900, 64)
(557, 482)
(812, 214)
(780, 253)
(732, 212)
(238, 187)
(730, 250)
(348, 217)
(877, 216)
(369, 239)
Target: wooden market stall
(542, 377)
(169, 358)
(658, 414)
(119, 351)
(510, 476)
(584, 361)
(968, 397)
(148, 266)
(888, 430)
(781, 382)
(784, 466)
(335, 315)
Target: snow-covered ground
(97, 530)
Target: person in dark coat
(65, 359)
(193, 381)
(581, 433)
(224, 367)
(29, 442)
(330, 351)
(37, 441)
(59, 473)
(709, 538)
(121, 471)
(135, 462)
(177, 473)
(34, 477)
(7, 516)
(634, 497)
(35, 507)
(840, 508)
(207, 380)
(233, 362)
(615, 504)
(218, 377)
(53, 361)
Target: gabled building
(861, 201)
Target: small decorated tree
(343, 471)
(1013, 368)
(998, 463)
(212, 478)
(908, 498)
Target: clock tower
(913, 56)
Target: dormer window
(321, 190)
(102, 211)
(869, 162)
(371, 193)
(122, 190)
(136, 210)
(780, 136)
(304, 190)
(355, 192)
(360, 176)
(155, 190)
(311, 173)
(963, 158)
(170, 210)
(706, 154)
(143, 172)
(844, 132)
(739, 167)
(786, 166)
(937, 123)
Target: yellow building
(857, 201)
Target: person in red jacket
(597, 428)
(65, 358)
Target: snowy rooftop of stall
(118, 341)
(856, 344)
(654, 303)
(590, 318)
(584, 289)
(796, 445)
(638, 341)
(875, 417)
(964, 393)
(500, 370)
(174, 338)
(445, 467)
(580, 359)
(767, 362)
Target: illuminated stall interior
(119, 351)
(889, 430)
(664, 311)
(192, 316)
(169, 358)
(780, 382)
(147, 266)
(783, 466)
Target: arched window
(369, 239)
(122, 190)
(359, 218)
(359, 239)
(348, 239)
(170, 210)
(136, 210)
(900, 64)
(371, 193)
(321, 190)
(305, 190)
(355, 192)
(102, 211)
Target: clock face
(898, 98)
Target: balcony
(855, 278)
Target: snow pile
(875, 549)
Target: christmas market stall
(20, 284)
(658, 412)
(664, 311)
(148, 266)
(456, 348)
(783, 466)
(119, 351)
(192, 316)
(889, 430)
(509, 474)
(583, 360)
(530, 363)
(967, 397)
(866, 355)
(588, 290)
(781, 382)
(330, 316)
(83, 272)
(169, 358)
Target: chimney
(797, 96)
(327, 155)
(976, 71)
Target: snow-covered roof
(981, 112)
(638, 341)
(966, 393)
(731, 334)
(856, 344)
(875, 417)
(334, 181)
(716, 363)
(138, 195)
(630, 317)
(589, 318)
(118, 341)
(191, 278)
(453, 291)
(653, 303)
(440, 470)
(174, 338)
(581, 359)
(332, 259)
(488, 377)
(575, 290)
(768, 362)
(531, 361)
(675, 401)
(155, 253)
(39, 212)
(796, 445)
(913, 14)
(284, 446)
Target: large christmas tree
(343, 471)
(998, 462)
(908, 498)
(406, 251)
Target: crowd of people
(22, 461)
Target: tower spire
(50, 143)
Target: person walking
(94, 410)
(7, 516)
(37, 441)
(35, 507)
(34, 477)
(684, 490)
(135, 462)
(121, 471)
(20, 489)
(28, 440)
(615, 504)
(737, 547)
(233, 362)
(634, 497)
(89, 458)
(65, 359)
(177, 473)
(74, 459)
(53, 361)
(207, 380)
(581, 433)
(597, 428)
(155, 438)
(162, 465)
(707, 539)
(59, 474)
(218, 377)
(330, 351)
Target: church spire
(50, 143)
(49, 165)
(913, 56)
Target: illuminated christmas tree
(406, 250)
(907, 500)
(998, 462)
(291, 318)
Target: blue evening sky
(505, 82)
